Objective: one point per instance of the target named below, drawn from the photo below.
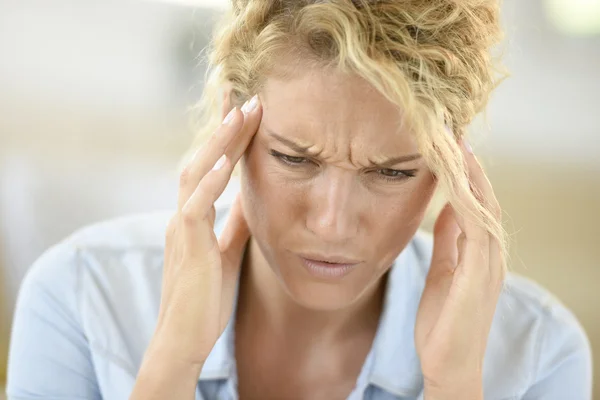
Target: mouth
(328, 267)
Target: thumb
(441, 272)
(445, 235)
(233, 240)
(232, 243)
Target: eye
(395, 174)
(287, 159)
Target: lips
(328, 267)
(329, 259)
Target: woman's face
(330, 176)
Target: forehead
(320, 105)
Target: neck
(264, 303)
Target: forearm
(162, 377)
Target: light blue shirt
(87, 310)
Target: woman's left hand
(459, 300)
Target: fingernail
(250, 105)
(467, 146)
(220, 162)
(229, 116)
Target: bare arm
(200, 270)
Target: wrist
(176, 356)
(467, 389)
(162, 376)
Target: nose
(333, 214)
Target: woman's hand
(200, 271)
(459, 300)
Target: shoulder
(60, 267)
(106, 240)
(535, 338)
(106, 277)
(88, 301)
(533, 333)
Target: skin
(333, 203)
(336, 203)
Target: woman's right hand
(200, 271)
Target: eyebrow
(390, 162)
(304, 150)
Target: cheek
(269, 180)
(418, 200)
(264, 191)
(251, 190)
(404, 212)
(258, 179)
(420, 197)
(252, 183)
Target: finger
(443, 262)
(484, 191)
(232, 243)
(252, 116)
(497, 263)
(234, 237)
(252, 110)
(211, 186)
(196, 213)
(445, 235)
(476, 184)
(454, 252)
(480, 183)
(212, 213)
(206, 157)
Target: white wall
(548, 111)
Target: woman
(315, 283)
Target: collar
(395, 365)
(220, 363)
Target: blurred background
(94, 99)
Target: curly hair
(432, 58)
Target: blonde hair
(430, 57)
